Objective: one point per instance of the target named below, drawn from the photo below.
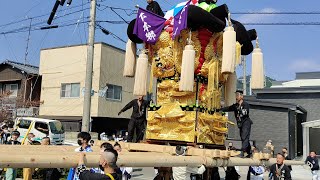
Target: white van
(41, 128)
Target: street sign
(32, 111)
(83, 90)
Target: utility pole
(26, 53)
(25, 62)
(89, 70)
(244, 80)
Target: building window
(13, 88)
(114, 92)
(70, 90)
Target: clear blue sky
(287, 49)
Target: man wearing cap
(11, 173)
(241, 113)
(14, 138)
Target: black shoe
(242, 155)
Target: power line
(39, 23)
(134, 11)
(84, 28)
(285, 24)
(119, 15)
(284, 13)
(107, 32)
(129, 12)
(38, 16)
(112, 22)
(122, 22)
(10, 48)
(39, 28)
(245, 23)
(40, 44)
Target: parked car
(41, 128)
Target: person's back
(256, 173)
(87, 175)
(184, 173)
(107, 162)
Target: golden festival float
(191, 75)
(194, 73)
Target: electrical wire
(40, 44)
(134, 11)
(10, 48)
(112, 34)
(38, 16)
(36, 26)
(44, 22)
(39, 28)
(122, 22)
(112, 22)
(130, 12)
(84, 28)
(285, 24)
(282, 13)
(119, 15)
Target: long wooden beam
(158, 156)
(140, 147)
(42, 148)
(214, 153)
(127, 160)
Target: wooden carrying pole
(149, 156)
(26, 160)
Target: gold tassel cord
(151, 77)
(238, 53)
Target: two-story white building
(63, 71)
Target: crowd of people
(10, 136)
(107, 169)
(104, 137)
